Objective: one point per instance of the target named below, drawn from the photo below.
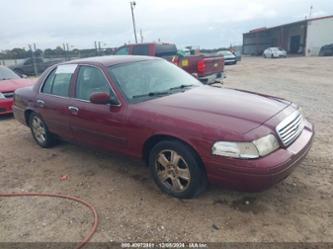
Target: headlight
(2, 96)
(266, 144)
(254, 149)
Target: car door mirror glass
(100, 98)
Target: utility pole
(133, 20)
(32, 49)
(141, 36)
(64, 48)
(311, 8)
(99, 47)
(96, 47)
(68, 54)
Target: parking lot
(130, 206)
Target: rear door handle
(40, 103)
(73, 109)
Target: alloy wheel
(38, 129)
(172, 170)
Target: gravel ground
(130, 206)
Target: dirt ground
(130, 206)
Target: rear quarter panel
(23, 101)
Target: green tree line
(58, 52)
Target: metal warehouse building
(303, 37)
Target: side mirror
(24, 76)
(103, 98)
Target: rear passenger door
(53, 100)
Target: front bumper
(259, 174)
(6, 106)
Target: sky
(199, 23)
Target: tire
(40, 131)
(182, 179)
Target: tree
(18, 53)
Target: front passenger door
(98, 125)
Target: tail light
(201, 66)
(175, 60)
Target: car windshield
(151, 78)
(7, 74)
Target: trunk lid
(213, 64)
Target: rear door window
(48, 83)
(28, 62)
(122, 51)
(141, 50)
(166, 50)
(58, 81)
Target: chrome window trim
(74, 97)
(47, 76)
(114, 93)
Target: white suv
(275, 52)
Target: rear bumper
(212, 78)
(19, 114)
(230, 62)
(259, 174)
(6, 106)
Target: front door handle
(73, 109)
(40, 103)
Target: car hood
(12, 85)
(235, 110)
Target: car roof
(111, 60)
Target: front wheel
(40, 132)
(177, 170)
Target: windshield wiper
(151, 94)
(180, 87)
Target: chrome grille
(9, 94)
(290, 128)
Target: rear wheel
(176, 169)
(40, 131)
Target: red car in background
(185, 131)
(9, 82)
(208, 69)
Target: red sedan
(188, 133)
(9, 82)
